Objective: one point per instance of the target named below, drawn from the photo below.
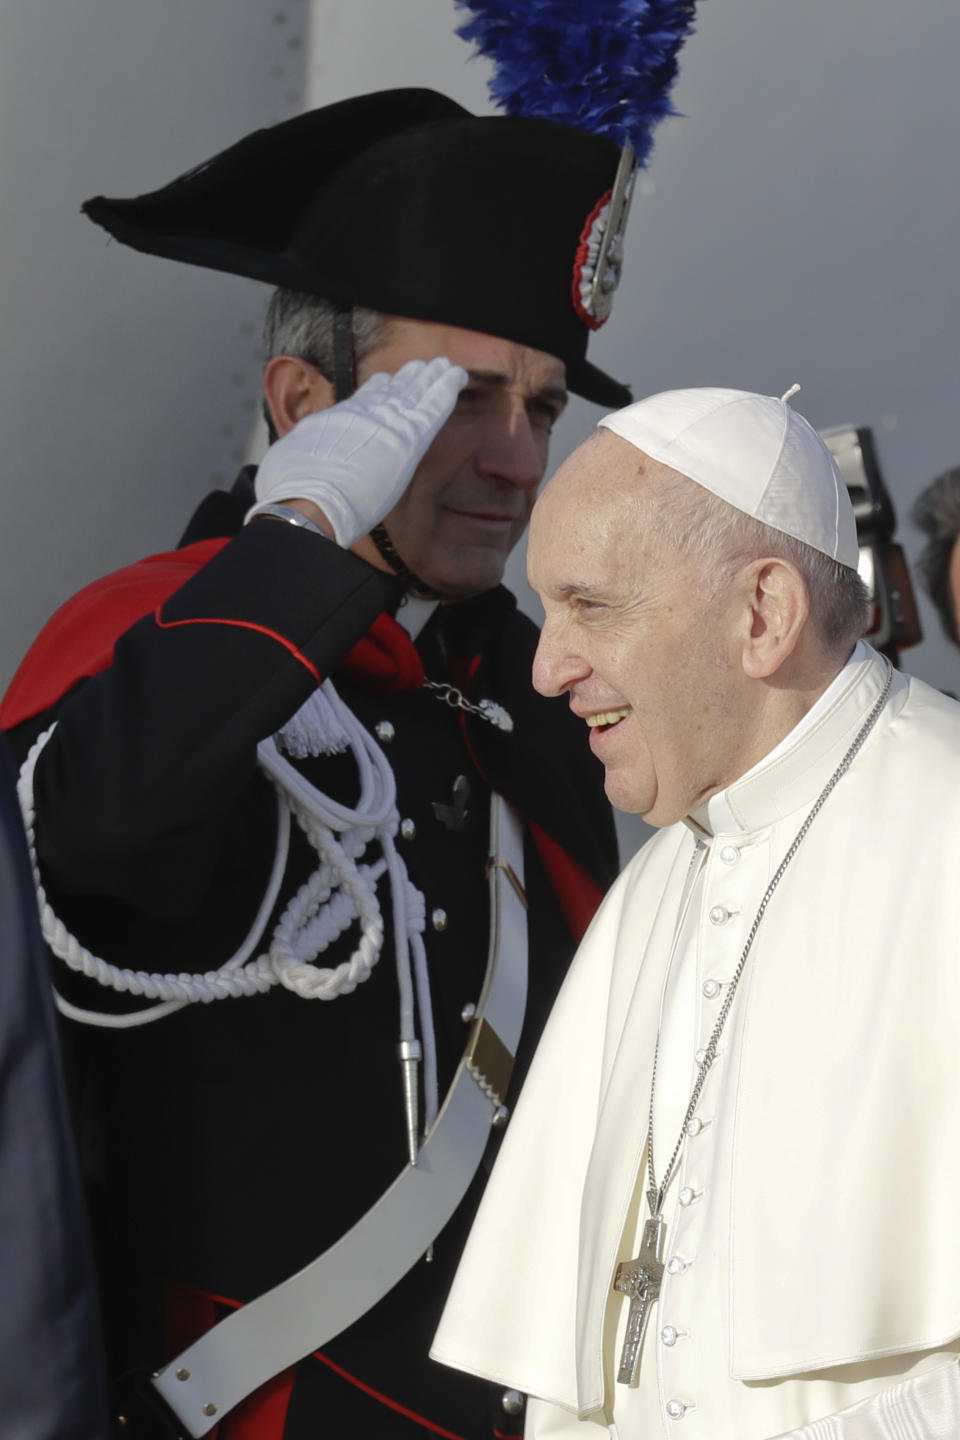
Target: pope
(725, 1202)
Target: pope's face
(470, 499)
(629, 635)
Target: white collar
(781, 780)
(414, 613)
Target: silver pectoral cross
(640, 1279)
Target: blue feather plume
(601, 65)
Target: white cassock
(813, 1222)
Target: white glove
(356, 459)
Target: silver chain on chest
(655, 1192)
(489, 710)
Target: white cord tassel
(340, 892)
(314, 729)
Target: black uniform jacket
(230, 1143)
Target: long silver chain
(656, 1193)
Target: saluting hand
(355, 460)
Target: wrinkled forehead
(598, 507)
(605, 474)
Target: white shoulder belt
(303, 1313)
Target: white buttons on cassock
(700, 1056)
(688, 1195)
(718, 915)
(438, 919)
(729, 854)
(677, 1264)
(408, 829)
(384, 730)
(676, 1409)
(668, 1335)
(711, 989)
(694, 1125)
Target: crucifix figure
(640, 1279)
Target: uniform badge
(599, 259)
(455, 816)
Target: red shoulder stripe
(79, 640)
(242, 625)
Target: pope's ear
(293, 388)
(777, 607)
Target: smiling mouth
(606, 719)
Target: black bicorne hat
(403, 202)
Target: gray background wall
(799, 222)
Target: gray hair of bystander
(936, 511)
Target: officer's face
(470, 500)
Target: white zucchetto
(754, 452)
